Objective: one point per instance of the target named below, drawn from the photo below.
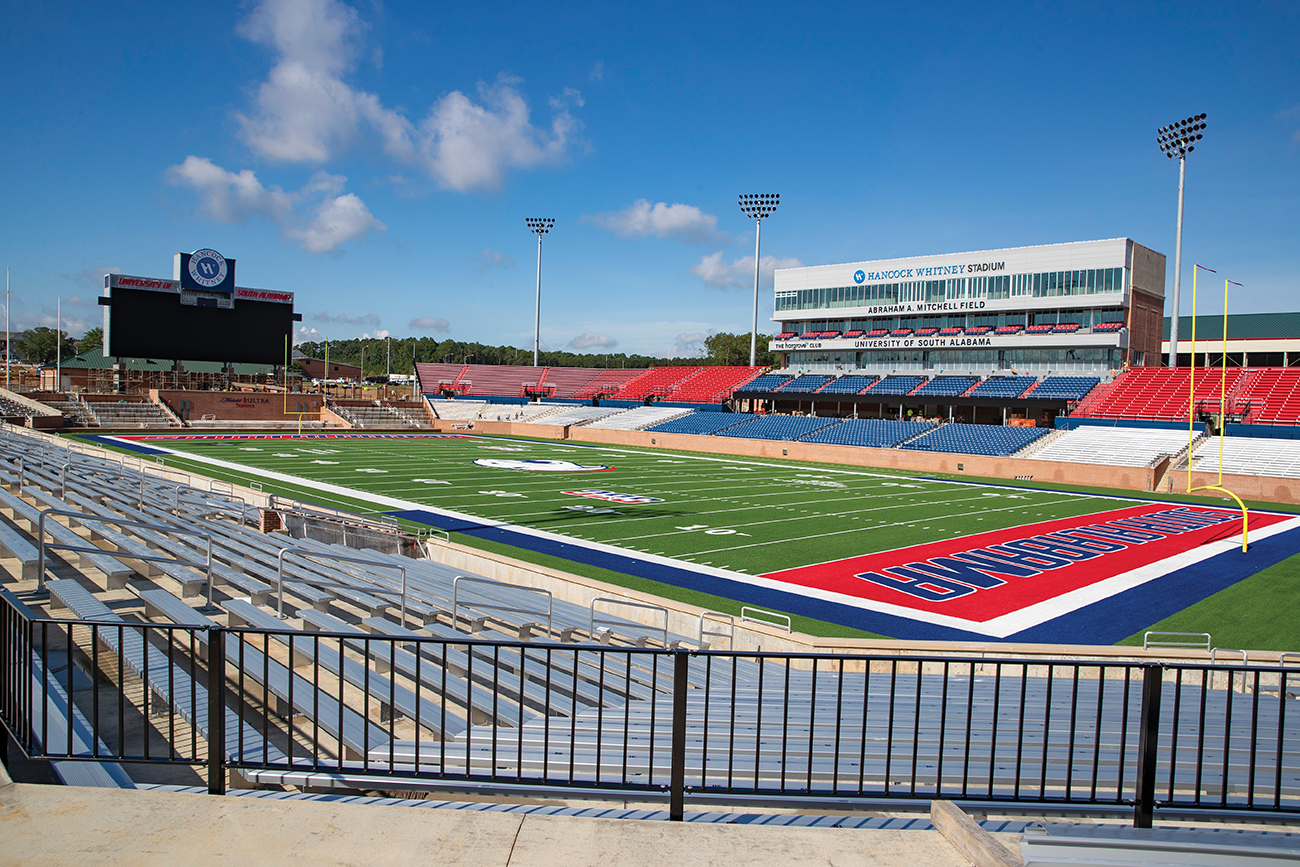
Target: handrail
(730, 635)
(1148, 643)
(591, 622)
(492, 606)
(1215, 650)
(83, 518)
(744, 617)
(309, 553)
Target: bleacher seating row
(1249, 456)
(977, 439)
(378, 416)
(1115, 446)
(683, 384)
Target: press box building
(1085, 307)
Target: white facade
(1079, 286)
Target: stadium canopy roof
(1241, 326)
(94, 359)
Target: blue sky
(379, 159)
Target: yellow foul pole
(1191, 379)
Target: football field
(844, 550)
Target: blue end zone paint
(131, 447)
(1120, 616)
(1104, 622)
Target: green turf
(747, 515)
(744, 515)
(1257, 613)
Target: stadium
(714, 586)
(971, 538)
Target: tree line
(719, 349)
(40, 345)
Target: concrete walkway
(62, 825)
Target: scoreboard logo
(207, 268)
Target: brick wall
(239, 405)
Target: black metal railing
(370, 711)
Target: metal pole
(216, 710)
(537, 314)
(1178, 268)
(753, 335)
(8, 336)
(58, 345)
(1148, 742)
(677, 772)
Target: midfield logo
(612, 497)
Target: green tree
(725, 348)
(41, 344)
(92, 339)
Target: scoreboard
(198, 315)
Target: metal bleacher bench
(191, 582)
(434, 672)
(170, 684)
(114, 571)
(174, 547)
(357, 734)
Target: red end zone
(988, 575)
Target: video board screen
(152, 324)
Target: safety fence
(382, 712)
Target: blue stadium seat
(778, 427)
(766, 382)
(701, 423)
(946, 386)
(1066, 387)
(853, 384)
(896, 385)
(1003, 386)
(880, 433)
(977, 439)
(805, 384)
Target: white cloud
(377, 335)
(592, 340)
(305, 334)
(232, 197)
(597, 71)
(90, 276)
(306, 112)
(324, 317)
(492, 259)
(740, 272)
(432, 324)
(1290, 116)
(642, 219)
(337, 220)
(70, 324)
(688, 344)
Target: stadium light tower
(1178, 139)
(758, 208)
(539, 226)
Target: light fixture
(758, 207)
